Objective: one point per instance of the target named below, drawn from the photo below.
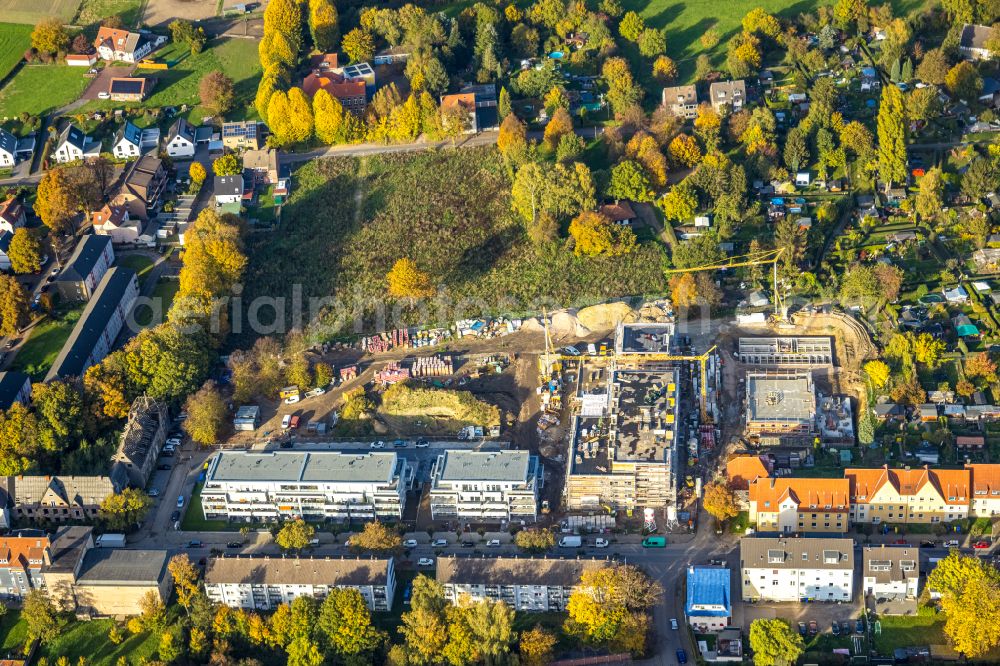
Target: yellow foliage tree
(595, 234)
(560, 125)
(407, 281)
(720, 500)
(684, 150)
(878, 373)
(664, 69)
(300, 116)
(644, 149)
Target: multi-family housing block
(788, 505)
(918, 495)
(891, 572)
(783, 569)
(315, 485)
(488, 486)
(265, 583)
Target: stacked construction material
(433, 366)
(392, 373)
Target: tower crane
(761, 258)
(701, 359)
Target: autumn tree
(300, 116)
(376, 537)
(535, 540)
(216, 92)
(124, 510)
(963, 81)
(610, 607)
(595, 234)
(323, 25)
(877, 372)
(707, 125)
(407, 281)
(206, 411)
(537, 646)
(49, 36)
(774, 643)
(358, 45)
(185, 577)
(512, 141)
(227, 165)
(328, 117)
(631, 26)
(970, 598)
(664, 69)
(284, 17)
(644, 149)
(41, 616)
(891, 137)
(720, 500)
(56, 200)
(13, 306)
(680, 203)
(684, 150)
(295, 535)
(927, 349)
(560, 125)
(25, 252)
(273, 79)
(623, 92)
(981, 365)
(346, 624)
(929, 199)
(197, 173)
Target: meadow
(41, 89)
(14, 41)
(449, 211)
(31, 12)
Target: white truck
(110, 541)
(570, 542)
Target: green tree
(285, 17)
(891, 137)
(980, 178)
(491, 625)
(346, 624)
(680, 203)
(504, 105)
(963, 81)
(358, 45)
(207, 413)
(934, 67)
(930, 196)
(970, 598)
(629, 181)
(227, 165)
(124, 510)
(295, 535)
(796, 149)
(774, 643)
(631, 26)
(623, 92)
(61, 415)
(652, 42)
(43, 619)
(303, 651)
(166, 362)
(18, 440)
(323, 25)
(25, 252)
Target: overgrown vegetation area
(449, 410)
(447, 211)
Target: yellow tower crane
(702, 362)
(753, 259)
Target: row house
(794, 505)
(919, 495)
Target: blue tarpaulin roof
(707, 586)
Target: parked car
(180, 502)
(682, 657)
(234, 544)
(422, 443)
(295, 421)
(468, 544)
(859, 626)
(673, 623)
(195, 544)
(425, 562)
(175, 516)
(928, 544)
(163, 468)
(153, 492)
(835, 629)
(410, 543)
(493, 543)
(286, 421)
(377, 445)
(952, 543)
(173, 441)
(802, 628)
(845, 628)
(981, 545)
(813, 627)
(440, 543)
(600, 543)
(292, 399)
(104, 94)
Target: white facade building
(485, 486)
(891, 572)
(524, 584)
(265, 583)
(797, 569)
(315, 485)
(8, 149)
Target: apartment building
(83, 271)
(682, 101)
(315, 485)
(485, 486)
(523, 583)
(788, 505)
(985, 496)
(781, 404)
(786, 352)
(797, 569)
(265, 583)
(727, 94)
(918, 495)
(742, 470)
(21, 563)
(891, 572)
(59, 499)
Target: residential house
(128, 141)
(485, 102)
(904, 496)
(228, 189)
(94, 335)
(969, 442)
(73, 145)
(392, 55)
(315, 485)
(115, 222)
(181, 141)
(796, 505)
(244, 135)
(742, 470)
(264, 165)
(485, 486)
(973, 42)
(12, 214)
(60, 499)
(265, 583)
(130, 88)
(5, 238)
(727, 94)
(117, 44)
(525, 584)
(324, 62)
(781, 569)
(14, 387)
(891, 572)
(351, 93)
(709, 605)
(141, 187)
(985, 490)
(144, 435)
(361, 71)
(682, 101)
(8, 149)
(465, 102)
(21, 562)
(80, 275)
(619, 212)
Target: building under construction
(786, 352)
(781, 404)
(623, 451)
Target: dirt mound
(606, 316)
(656, 311)
(565, 323)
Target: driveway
(102, 81)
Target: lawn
(449, 212)
(14, 41)
(46, 340)
(165, 290)
(193, 518)
(90, 640)
(139, 263)
(30, 12)
(686, 22)
(924, 628)
(237, 58)
(39, 89)
(14, 632)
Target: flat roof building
(786, 352)
(645, 338)
(490, 486)
(315, 485)
(523, 583)
(113, 581)
(780, 403)
(263, 583)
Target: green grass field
(14, 41)
(40, 350)
(165, 290)
(92, 11)
(40, 89)
(90, 640)
(237, 58)
(140, 263)
(13, 632)
(30, 13)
